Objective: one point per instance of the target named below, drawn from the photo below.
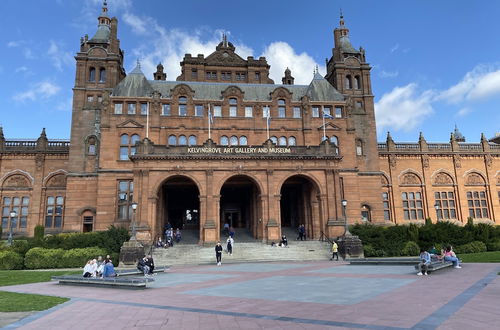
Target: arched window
(224, 140)
(102, 75)
(182, 140)
(366, 213)
(172, 140)
(183, 106)
(357, 82)
(243, 140)
(274, 139)
(359, 148)
(282, 141)
(133, 139)
(92, 74)
(292, 141)
(348, 82)
(335, 141)
(192, 140)
(91, 146)
(234, 140)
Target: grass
(21, 302)
(492, 256)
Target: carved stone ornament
(383, 181)
(498, 181)
(474, 179)
(425, 161)
(458, 161)
(39, 159)
(16, 181)
(489, 160)
(443, 179)
(392, 161)
(57, 181)
(410, 179)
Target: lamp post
(344, 206)
(134, 208)
(13, 215)
(437, 207)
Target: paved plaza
(309, 295)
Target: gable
(130, 124)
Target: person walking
(230, 243)
(218, 253)
(335, 251)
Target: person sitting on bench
(425, 261)
(142, 266)
(109, 269)
(449, 255)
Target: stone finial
(2, 139)
(422, 142)
(390, 142)
(484, 142)
(453, 142)
(42, 142)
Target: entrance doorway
(239, 207)
(297, 196)
(179, 207)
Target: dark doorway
(180, 206)
(297, 195)
(239, 207)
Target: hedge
(10, 260)
(40, 258)
(78, 257)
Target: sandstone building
(223, 143)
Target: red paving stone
(154, 308)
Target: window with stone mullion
(54, 211)
(477, 204)
(125, 199)
(18, 204)
(446, 202)
(412, 205)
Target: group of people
(446, 254)
(99, 268)
(219, 249)
(302, 232)
(170, 236)
(146, 265)
(283, 242)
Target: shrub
(369, 251)
(10, 260)
(20, 247)
(78, 257)
(40, 258)
(114, 238)
(493, 245)
(472, 247)
(39, 232)
(410, 249)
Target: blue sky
(435, 63)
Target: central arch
(240, 207)
(179, 206)
(299, 204)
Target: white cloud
(39, 91)
(404, 108)
(65, 105)
(59, 57)
(481, 83)
(388, 74)
(281, 55)
(138, 24)
(464, 111)
(15, 43)
(394, 48)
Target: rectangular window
(446, 202)
(257, 76)
(90, 98)
(265, 111)
(226, 75)
(144, 109)
(99, 98)
(338, 112)
(241, 76)
(327, 110)
(478, 205)
(125, 199)
(54, 212)
(165, 111)
(281, 112)
(387, 206)
(118, 108)
(194, 74)
(233, 111)
(296, 112)
(359, 105)
(18, 204)
(217, 111)
(123, 153)
(182, 110)
(412, 205)
(315, 112)
(131, 108)
(248, 112)
(198, 109)
(211, 75)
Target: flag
(268, 116)
(327, 115)
(210, 116)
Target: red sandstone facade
(149, 142)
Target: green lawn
(21, 302)
(492, 256)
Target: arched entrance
(240, 207)
(299, 205)
(179, 206)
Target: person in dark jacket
(142, 266)
(150, 263)
(218, 253)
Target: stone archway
(299, 204)
(179, 206)
(240, 207)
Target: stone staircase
(193, 254)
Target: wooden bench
(119, 281)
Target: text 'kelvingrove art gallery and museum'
(224, 143)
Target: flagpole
(147, 121)
(324, 126)
(268, 115)
(209, 126)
